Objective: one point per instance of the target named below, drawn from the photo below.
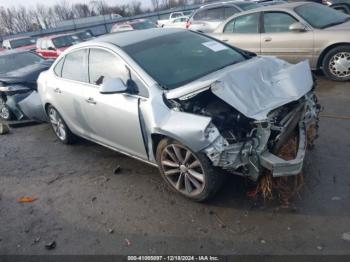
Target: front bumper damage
(254, 155)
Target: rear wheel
(5, 112)
(188, 173)
(336, 64)
(59, 127)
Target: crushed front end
(258, 150)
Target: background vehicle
(19, 71)
(172, 16)
(179, 22)
(294, 32)
(139, 24)
(152, 94)
(51, 47)
(340, 5)
(23, 43)
(210, 16)
(84, 35)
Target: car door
(243, 32)
(278, 40)
(67, 90)
(113, 118)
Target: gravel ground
(87, 209)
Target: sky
(29, 3)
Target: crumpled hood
(257, 86)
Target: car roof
(126, 38)
(18, 38)
(13, 51)
(54, 36)
(279, 7)
(218, 4)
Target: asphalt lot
(87, 209)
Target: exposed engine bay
(232, 125)
(247, 146)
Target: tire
(5, 112)
(202, 178)
(59, 126)
(336, 63)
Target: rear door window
(246, 24)
(75, 66)
(275, 22)
(58, 68)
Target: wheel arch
(326, 50)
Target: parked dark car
(19, 71)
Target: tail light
(188, 24)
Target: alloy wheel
(4, 111)
(183, 170)
(57, 124)
(339, 65)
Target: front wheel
(336, 64)
(5, 112)
(59, 127)
(188, 173)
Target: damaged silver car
(184, 102)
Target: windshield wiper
(336, 23)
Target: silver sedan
(182, 101)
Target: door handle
(224, 40)
(57, 90)
(268, 39)
(90, 100)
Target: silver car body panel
(151, 116)
(32, 107)
(254, 87)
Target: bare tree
(156, 4)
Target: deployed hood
(254, 87)
(28, 74)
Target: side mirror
(298, 27)
(113, 86)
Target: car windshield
(247, 5)
(12, 62)
(320, 16)
(181, 57)
(143, 25)
(65, 41)
(22, 42)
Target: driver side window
(103, 65)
